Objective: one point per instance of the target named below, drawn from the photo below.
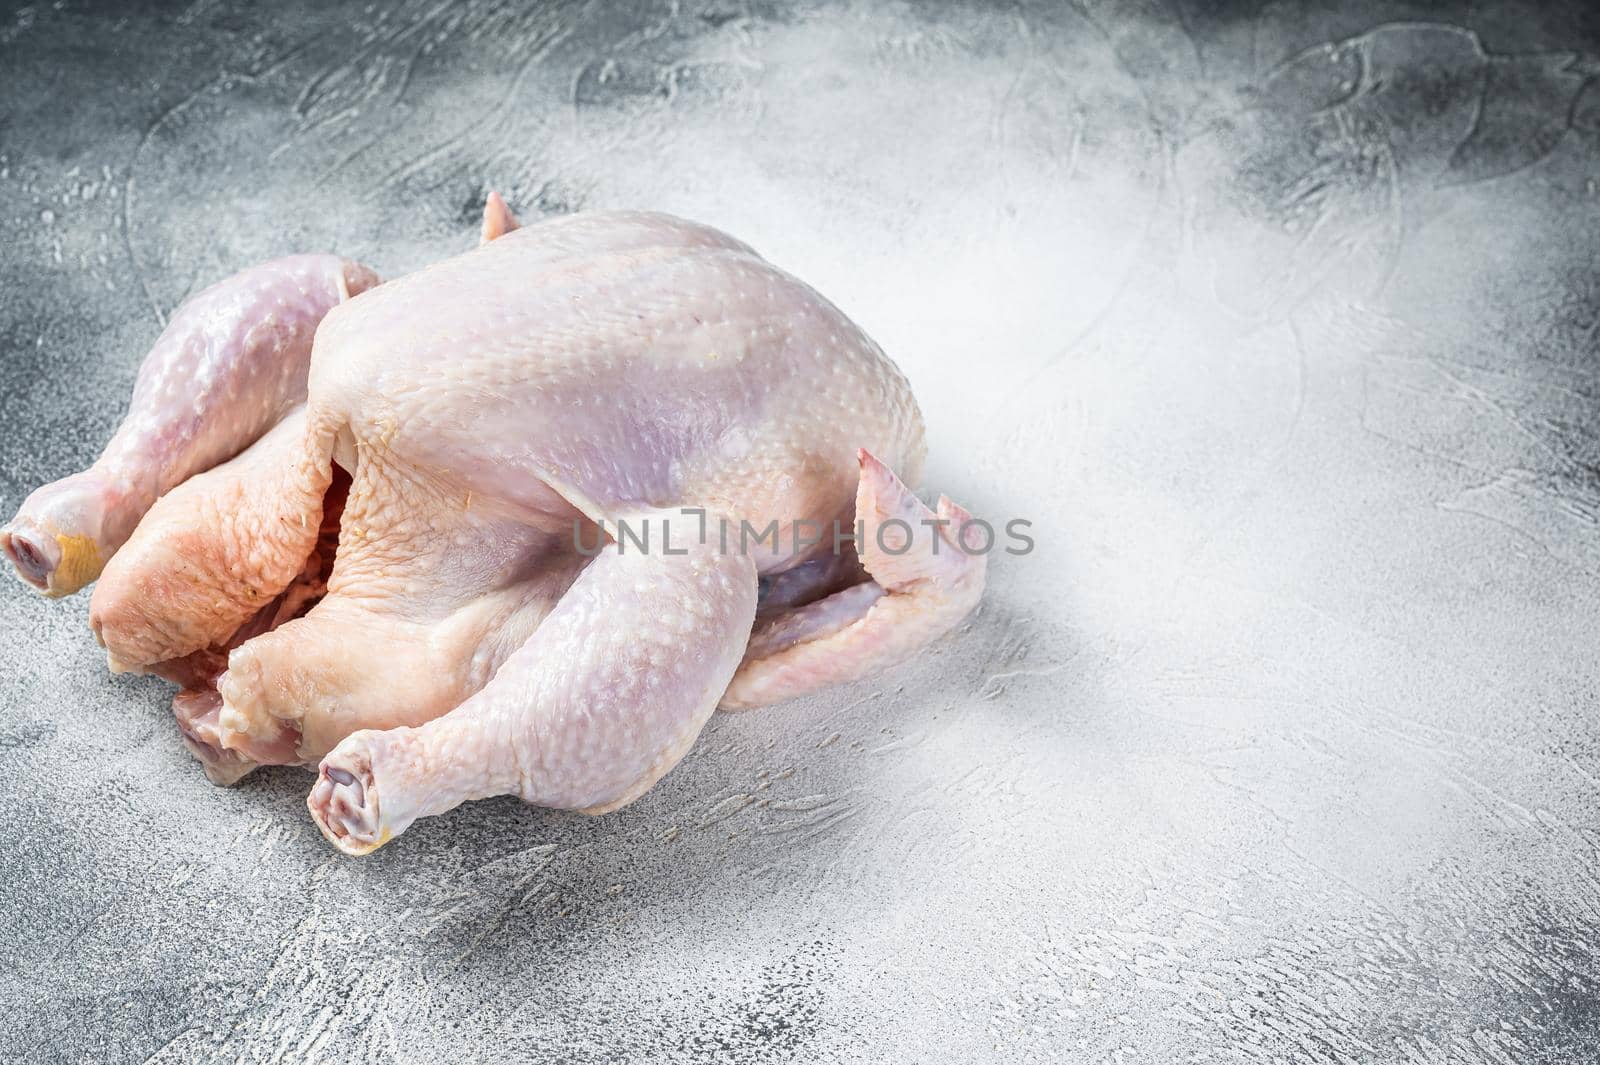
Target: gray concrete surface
(1279, 321)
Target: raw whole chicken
(502, 526)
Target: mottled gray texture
(1283, 745)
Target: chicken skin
(515, 524)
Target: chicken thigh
(545, 506)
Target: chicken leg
(604, 698)
(232, 361)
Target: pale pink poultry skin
(232, 362)
(463, 431)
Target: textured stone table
(1279, 323)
